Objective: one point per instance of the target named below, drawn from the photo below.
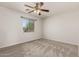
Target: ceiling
(54, 7)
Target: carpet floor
(40, 48)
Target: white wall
(63, 27)
(11, 31)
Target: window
(27, 24)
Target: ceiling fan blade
(28, 6)
(41, 3)
(27, 9)
(44, 10)
(37, 4)
(31, 11)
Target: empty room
(39, 29)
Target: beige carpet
(41, 48)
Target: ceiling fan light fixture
(37, 11)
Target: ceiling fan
(37, 8)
